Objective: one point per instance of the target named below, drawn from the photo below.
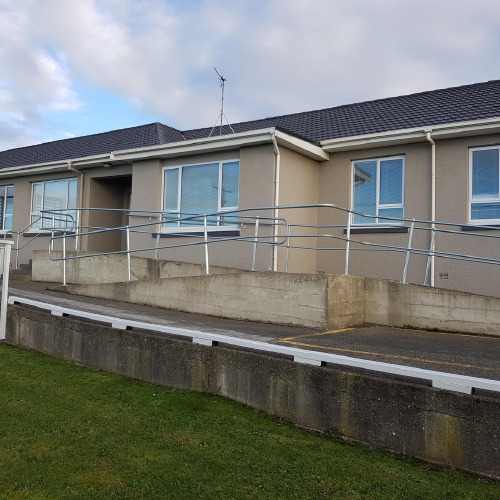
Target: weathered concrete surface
(293, 299)
(395, 304)
(112, 268)
(345, 301)
(445, 427)
(311, 300)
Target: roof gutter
(176, 149)
(418, 134)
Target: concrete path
(472, 355)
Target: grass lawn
(69, 432)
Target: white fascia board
(301, 146)
(221, 143)
(195, 146)
(50, 167)
(394, 137)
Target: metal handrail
(54, 213)
(287, 239)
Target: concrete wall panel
(450, 428)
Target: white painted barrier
(440, 380)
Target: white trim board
(440, 380)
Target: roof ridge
(359, 103)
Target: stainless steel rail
(288, 235)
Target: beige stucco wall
(334, 186)
(298, 186)
(256, 189)
(22, 208)
(452, 185)
(452, 204)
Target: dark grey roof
(452, 105)
(457, 104)
(90, 145)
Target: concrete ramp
(317, 301)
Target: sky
(78, 67)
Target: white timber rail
(5, 268)
(440, 380)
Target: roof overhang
(405, 136)
(176, 149)
(223, 143)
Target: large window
(59, 196)
(192, 190)
(378, 190)
(485, 185)
(6, 207)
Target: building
(429, 156)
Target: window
(378, 187)
(6, 207)
(485, 185)
(57, 195)
(200, 189)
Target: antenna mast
(221, 116)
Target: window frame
(378, 205)
(38, 213)
(4, 215)
(197, 228)
(483, 222)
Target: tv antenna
(221, 116)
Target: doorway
(113, 194)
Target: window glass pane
(390, 212)
(391, 182)
(170, 189)
(200, 187)
(485, 174)
(230, 183)
(37, 198)
(55, 196)
(170, 196)
(171, 219)
(365, 194)
(8, 222)
(9, 204)
(71, 194)
(485, 211)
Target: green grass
(69, 432)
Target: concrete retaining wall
(445, 427)
(267, 297)
(317, 301)
(395, 304)
(112, 268)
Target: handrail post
(256, 235)
(157, 250)
(408, 251)
(64, 259)
(129, 273)
(17, 249)
(430, 254)
(207, 271)
(347, 243)
(288, 232)
(5, 289)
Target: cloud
(279, 56)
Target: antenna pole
(222, 81)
